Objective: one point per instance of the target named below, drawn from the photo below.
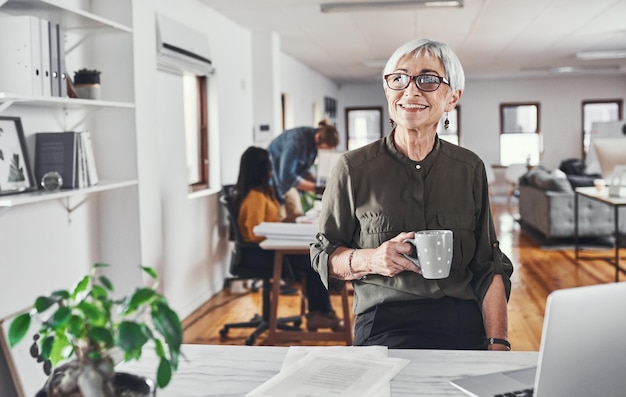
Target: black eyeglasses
(425, 82)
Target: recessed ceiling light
(616, 54)
(573, 69)
(375, 63)
(584, 69)
(378, 5)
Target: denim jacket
(293, 153)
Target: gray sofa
(546, 206)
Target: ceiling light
(375, 63)
(378, 5)
(584, 69)
(601, 54)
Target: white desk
(235, 370)
(298, 247)
(614, 202)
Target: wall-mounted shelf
(14, 200)
(69, 17)
(8, 99)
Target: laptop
(582, 353)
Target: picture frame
(16, 175)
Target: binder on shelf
(46, 54)
(54, 58)
(60, 36)
(57, 151)
(20, 63)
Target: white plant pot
(87, 91)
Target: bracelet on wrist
(499, 341)
(350, 264)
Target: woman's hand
(388, 259)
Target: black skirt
(446, 323)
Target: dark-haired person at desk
(293, 154)
(257, 203)
(408, 181)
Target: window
(598, 111)
(520, 141)
(196, 130)
(452, 134)
(363, 125)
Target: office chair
(512, 175)
(250, 261)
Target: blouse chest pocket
(378, 228)
(460, 222)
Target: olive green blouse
(375, 192)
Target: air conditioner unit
(181, 49)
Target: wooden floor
(537, 273)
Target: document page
(325, 374)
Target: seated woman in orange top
(257, 203)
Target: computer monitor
(326, 159)
(601, 130)
(610, 152)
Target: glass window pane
(190, 99)
(597, 112)
(364, 126)
(519, 148)
(519, 118)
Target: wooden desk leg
(576, 227)
(616, 219)
(273, 323)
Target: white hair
(424, 47)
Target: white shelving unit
(14, 200)
(8, 99)
(104, 224)
(61, 12)
(72, 18)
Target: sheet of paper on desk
(286, 231)
(324, 373)
(296, 353)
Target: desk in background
(209, 370)
(614, 202)
(283, 247)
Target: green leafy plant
(86, 323)
(87, 76)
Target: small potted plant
(87, 83)
(80, 329)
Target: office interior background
(153, 219)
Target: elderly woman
(411, 180)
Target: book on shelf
(69, 153)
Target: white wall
(560, 115)
(190, 248)
(306, 90)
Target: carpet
(567, 243)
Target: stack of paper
(333, 371)
(286, 231)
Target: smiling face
(414, 109)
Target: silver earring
(446, 122)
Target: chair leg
(260, 323)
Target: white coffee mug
(434, 252)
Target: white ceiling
(493, 38)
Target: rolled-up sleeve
(336, 223)
(489, 259)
